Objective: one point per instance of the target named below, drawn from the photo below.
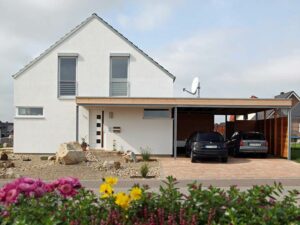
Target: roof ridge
(78, 27)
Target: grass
(296, 152)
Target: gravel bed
(91, 170)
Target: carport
(198, 115)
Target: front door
(98, 127)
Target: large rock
(70, 153)
(3, 156)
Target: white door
(96, 129)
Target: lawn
(296, 152)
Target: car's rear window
(253, 136)
(214, 137)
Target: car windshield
(253, 136)
(213, 137)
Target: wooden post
(282, 142)
(270, 136)
(235, 127)
(225, 131)
(275, 133)
(265, 124)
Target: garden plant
(65, 201)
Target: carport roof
(207, 105)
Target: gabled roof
(287, 95)
(77, 28)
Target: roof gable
(287, 95)
(77, 28)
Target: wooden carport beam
(275, 132)
(289, 134)
(265, 124)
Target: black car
(248, 142)
(206, 145)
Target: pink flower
(25, 187)
(66, 190)
(2, 195)
(11, 196)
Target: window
(67, 76)
(30, 111)
(119, 75)
(157, 113)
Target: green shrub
(146, 154)
(144, 170)
(266, 205)
(295, 153)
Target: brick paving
(236, 168)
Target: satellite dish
(195, 85)
(195, 88)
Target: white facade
(94, 42)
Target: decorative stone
(129, 156)
(7, 164)
(26, 158)
(109, 164)
(10, 174)
(44, 157)
(5, 145)
(117, 165)
(70, 153)
(3, 156)
(52, 157)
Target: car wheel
(192, 157)
(224, 159)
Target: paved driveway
(236, 168)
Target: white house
(93, 60)
(97, 85)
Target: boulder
(129, 156)
(7, 164)
(26, 158)
(44, 157)
(3, 156)
(70, 153)
(52, 157)
(117, 165)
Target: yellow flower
(111, 180)
(106, 190)
(122, 200)
(135, 193)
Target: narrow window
(157, 113)
(67, 76)
(30, 111)
(119, 75)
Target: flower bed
(65, 201)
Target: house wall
(136, 132)
(37, 86)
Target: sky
(236, 48)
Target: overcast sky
(237, 48)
